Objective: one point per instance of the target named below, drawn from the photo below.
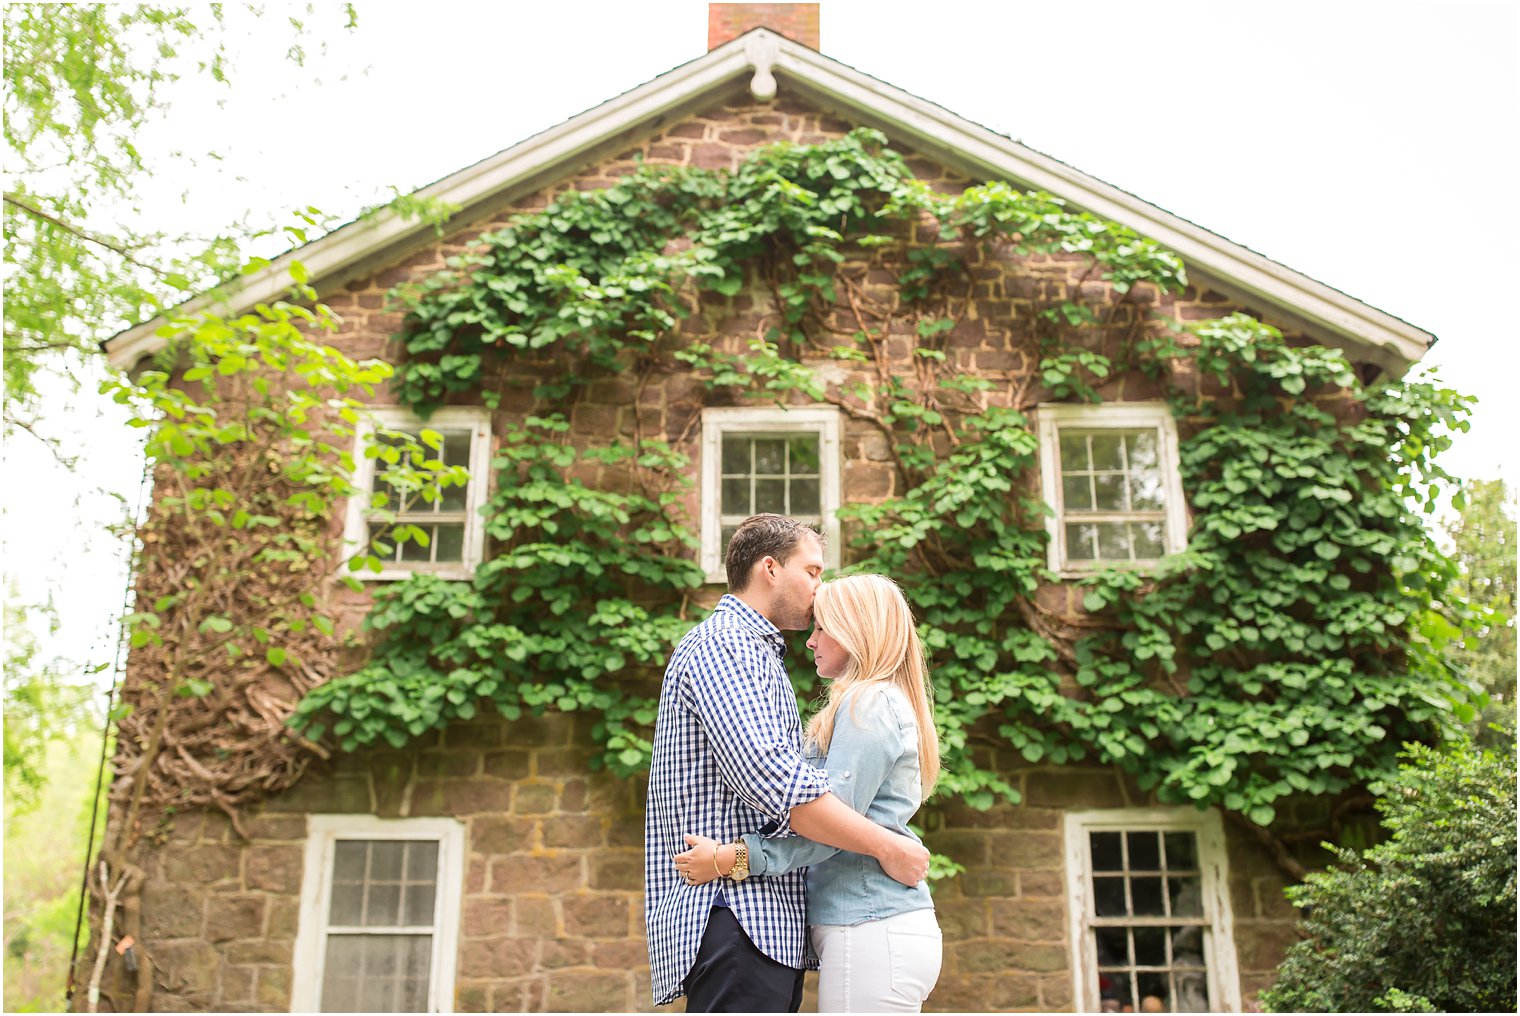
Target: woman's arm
(866, 744)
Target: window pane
(383, 906)
(1186, 896)
(1074, 453)
(386, 551)
(456, 448)
(413, 552)
(1145, 893)
(1106, 852)
(1181, 852)
(770, 456)
(1109, 491)
(453, 498)
(450, 542)
(347, 907)
(1143, 451)
(735, 499)
(736, 454)
(805, 497)
(770, 496)
(1113, 541)
(1076, 493)
(1108, 897)
(417, 904)
(1079, 542)
(804, 455)
(1107, 451)
(385, 858)
(422, 861)
(1146, 493)
(1150, 947)
(1147, 539)
(348, 860)
(1144, 851)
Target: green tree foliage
(82, 82)
(1297, 641)
(1424, 922)
(1483, 537)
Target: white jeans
(888, 965)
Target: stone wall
(552, 916)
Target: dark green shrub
(1424, 921)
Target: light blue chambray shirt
(727, 760)
(873, 767)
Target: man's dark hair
(761, 536)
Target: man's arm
(830, 821)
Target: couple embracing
(771, 850)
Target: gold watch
(740, 871)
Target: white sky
(1374, 146)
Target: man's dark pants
(731, 975)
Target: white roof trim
(934, 131)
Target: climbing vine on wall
(1289, 649)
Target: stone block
(551, 729)
(172, 910)
(574, 831)
(201, 863)
(284, 917)
(277, 868)
(496, 957)
(1069, 787)
(230, 917)
(961, 919)
(479, 796)
(276, 827)
(558, 953)
(984, 882)
(190, 963)
(573, 796)
(1025, 850)
(589, 991)
(561, 762)
(472, 996)
(1042, 883)
(536, 918)
(486, 917)
(599, 915)
(490, 834)
(237, 984)
(265, 952)
(338, 795)
(1011, 993)
(534, 798)
(1037, 956)
(623, 954)
(545, 874)
(273, 988)
(1028, 920)
(449, 763)
(511, 764)
(967, 847)
(1055, 993)
(617, 869)
(486, 734)
(978, 956)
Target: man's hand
(905, 860)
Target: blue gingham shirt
(727, 761)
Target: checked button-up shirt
(727, 761)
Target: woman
(877, 941)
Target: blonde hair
(870, 619)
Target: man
(727, 761)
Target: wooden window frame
(824, 421)
(322, 834)
(1055, 417)
(1213, 864)
(356, 519)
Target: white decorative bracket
(762, 48)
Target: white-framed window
(1111, 477)
(1151, 924)
(380, 901)
(456, 532)
(768, 459)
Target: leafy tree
(1424, 922)
(1483, 536)
(82, 81)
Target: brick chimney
(798, 22)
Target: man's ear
(769, 566)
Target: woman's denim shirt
(873, 767)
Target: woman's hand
(699, 865)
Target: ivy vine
(1290, 649)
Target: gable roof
(770, 61)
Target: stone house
(510, 871)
